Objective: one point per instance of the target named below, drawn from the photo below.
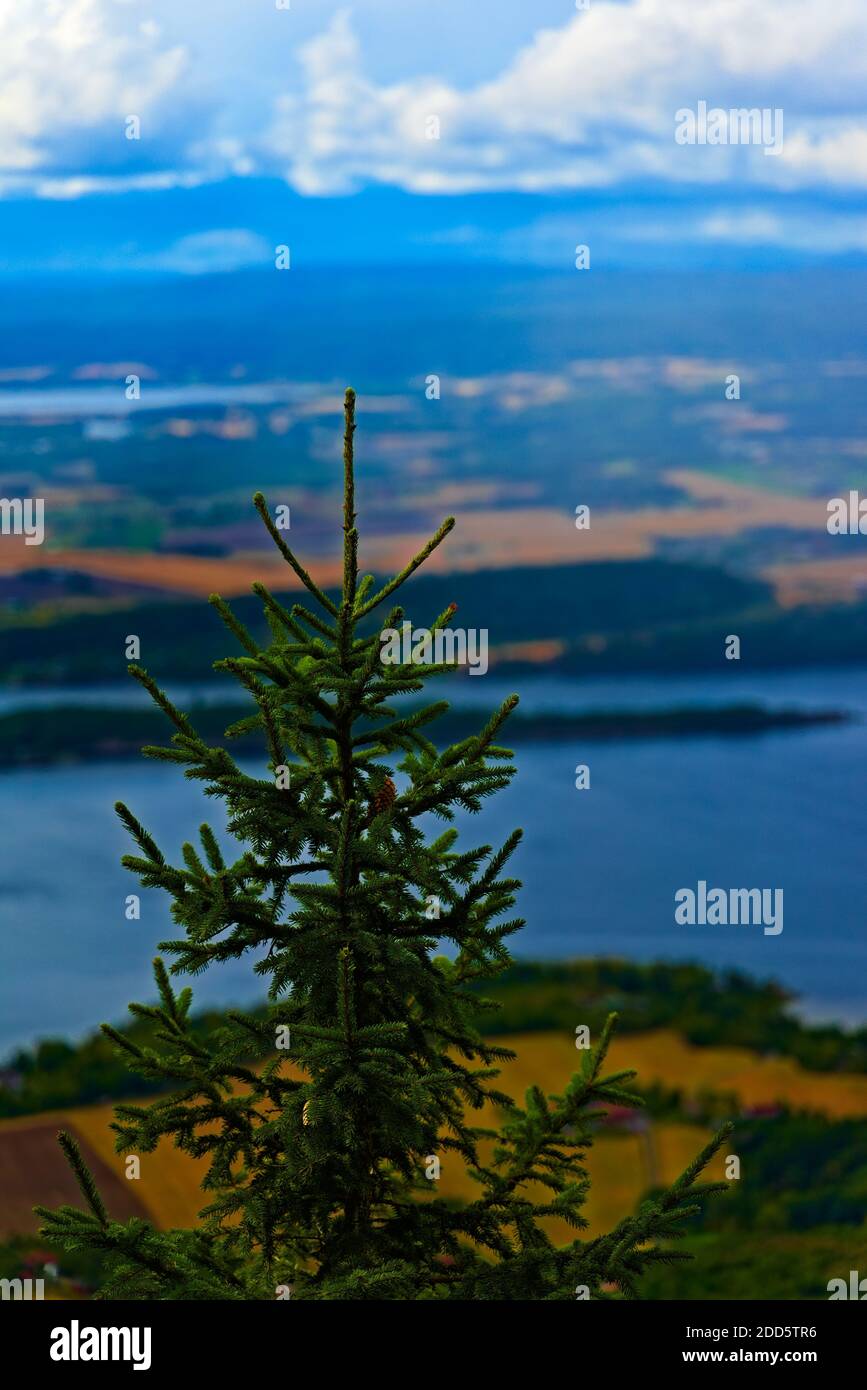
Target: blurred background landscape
(555, 388)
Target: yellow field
(664, 1056)
(169, 1190)
(622, 1165)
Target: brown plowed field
(33, 1168)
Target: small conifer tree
(322, 1116)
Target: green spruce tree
(316, 1184)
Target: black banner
(85, 1339)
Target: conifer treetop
(339, 873)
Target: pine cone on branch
(383, 799)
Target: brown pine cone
(383, 799)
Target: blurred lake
(600, 867)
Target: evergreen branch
(299, 611)
(233, 624)
(262, 508)
(83, 1176)
(138, 832)
(282, 614)
(409, 569)
(180, 720)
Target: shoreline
(71, 734)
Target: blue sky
(312, 125)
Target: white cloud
(592, 103)
(683, 231)
(834, 234)
(66, 187)
(837, 157)
(204, 253)
(71, 71)
(589, 103)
